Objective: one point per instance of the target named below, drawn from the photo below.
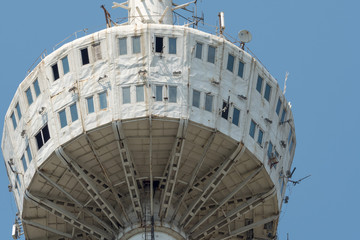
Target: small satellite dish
(245, 36)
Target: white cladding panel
(107, 89)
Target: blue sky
(316, 41)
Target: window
(42, 136)
(65, 63)
(29, 96)
(23, 160)
(158, 93)
(139, 93)
(230, 63)
(36, 87)
(55, 71)
(172, 94)
(73, 112)
(267, 92)
(90, 104)
(291, 145)
(198, 53)
(97, 51)
(13, 120)
(85, 56)
(283, 116)
(252, 129)
(211, 54)
(63, 120)
(290, 134)
(278, 107)
(18, 181)
(260, 137)
(126, 95)
(159, 44)
(18, 110)
(123, 46)
(196, 99)
(172, 45)
(136, 44)
(270, 150)
(102, 100)
(28, 151)
(225, 110)
(259, 84)
(208, 102)
(236, 117)
(241, 69)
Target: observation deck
(149, 131)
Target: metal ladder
(148, 218)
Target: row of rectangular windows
(257, 133)
(267, 96)
(211, 58)
(259, 88)
(34, 88)
(208, 106)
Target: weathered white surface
(113, 72)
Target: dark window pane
(290, 134)
(259, 84)
(73, 112)
(236, 117)
(208, 102)
(28, 151)
(39, 140)
(230, 63)
(241, 69)
(103, 100)
(196, 99)
(24, 162)
(291, 145)
(211, 54)
(123, 46)
(159, 92)
(136, 44)
(139, 93)
(172, 94)
(65, 64)
(252, 129)
(29, 96)
(36, 87)
(85, 56)
(172, 45)
(46, 133)
(55, 71)
(198, 53)
(126, 95)
(260, 137)
(225, 110)
(13, 120)
(270, 148)
(278, 107)
(283, 115)
(267, 92)
(63, 120)
(90, 104)
(18, 110)
(159, 44)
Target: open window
(159, 44)
(42, 136)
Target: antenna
(298, 181)
(286, 77)
(221, 22)
(245, 37)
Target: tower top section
(148, 11)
